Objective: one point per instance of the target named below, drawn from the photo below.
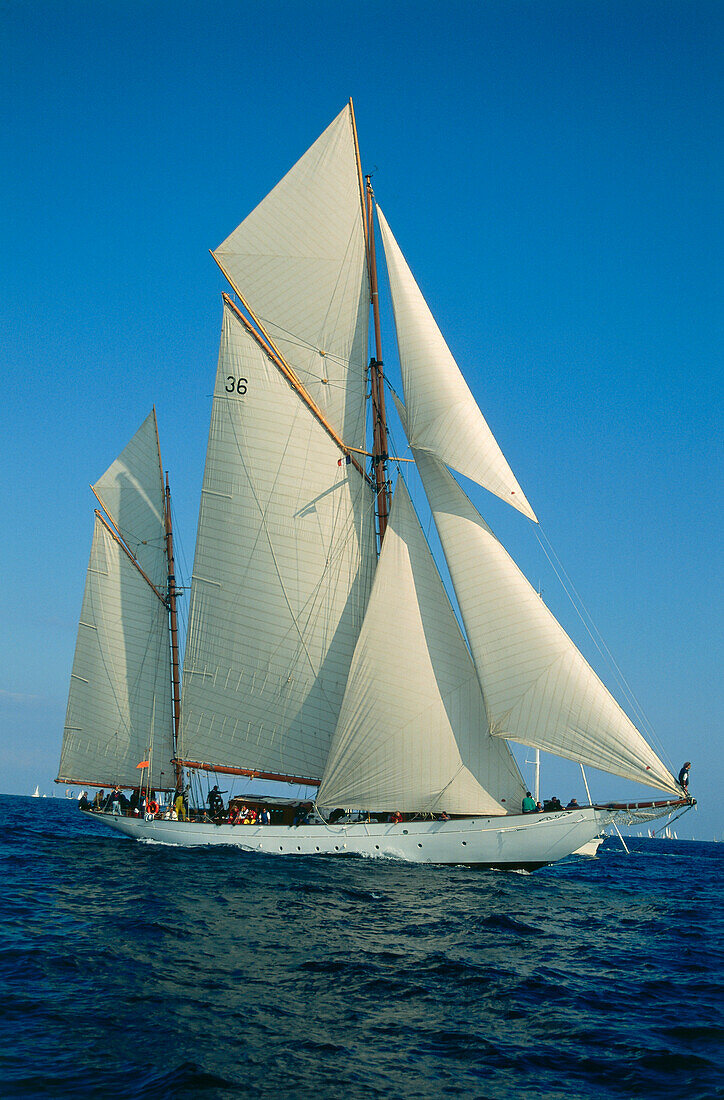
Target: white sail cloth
(412, 732)
(119, 703)
(442, 414)
(132, 494)
(299, 261)
(285, 554)
(538, 688)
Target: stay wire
(596, 637)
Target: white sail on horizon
(283, 567)
(413, 732)
(442, 415)
(299, 260)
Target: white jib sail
(538, 688)
(285, 555)
(299, 261)
(413, 733)
(119, 703)
(132, 493)
(442, 414)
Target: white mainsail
(299, 261)
(131, 491)
(284, 560)
(442, 414)
(413, 733)
(538, 688)
(119, 703)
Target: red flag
(144, 764)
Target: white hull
(512, 842)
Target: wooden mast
(377, 380)
(173, 620)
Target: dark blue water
(138, 970)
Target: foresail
(538, 688)
(285, 555)
(299, 261)
(131, 491)
(119, 704)
(413, 733)
(443, 417)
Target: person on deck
(265, 818)
(572, 805)
(116, 801)
(180, 806)
(99, 800)
(684, 778)
(528, 804)
(216, 802)
(553, 804)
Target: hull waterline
(516, 842)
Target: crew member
(684, 778)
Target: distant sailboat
(36, 792)
(322, 650)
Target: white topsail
(413, 733)
(131, 491)
(284, 560)
(442, 414)
(538, 688)
(119, 703)
(299, 261)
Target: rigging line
(673, 820)
(597, 639)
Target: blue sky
(553, 173)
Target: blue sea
(139, 970)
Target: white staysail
(538, 688)
(131, 491)
(442, 415)
(119, 703)
(285, 555)
(299, 261)
(413, 732)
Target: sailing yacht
(323, 653)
